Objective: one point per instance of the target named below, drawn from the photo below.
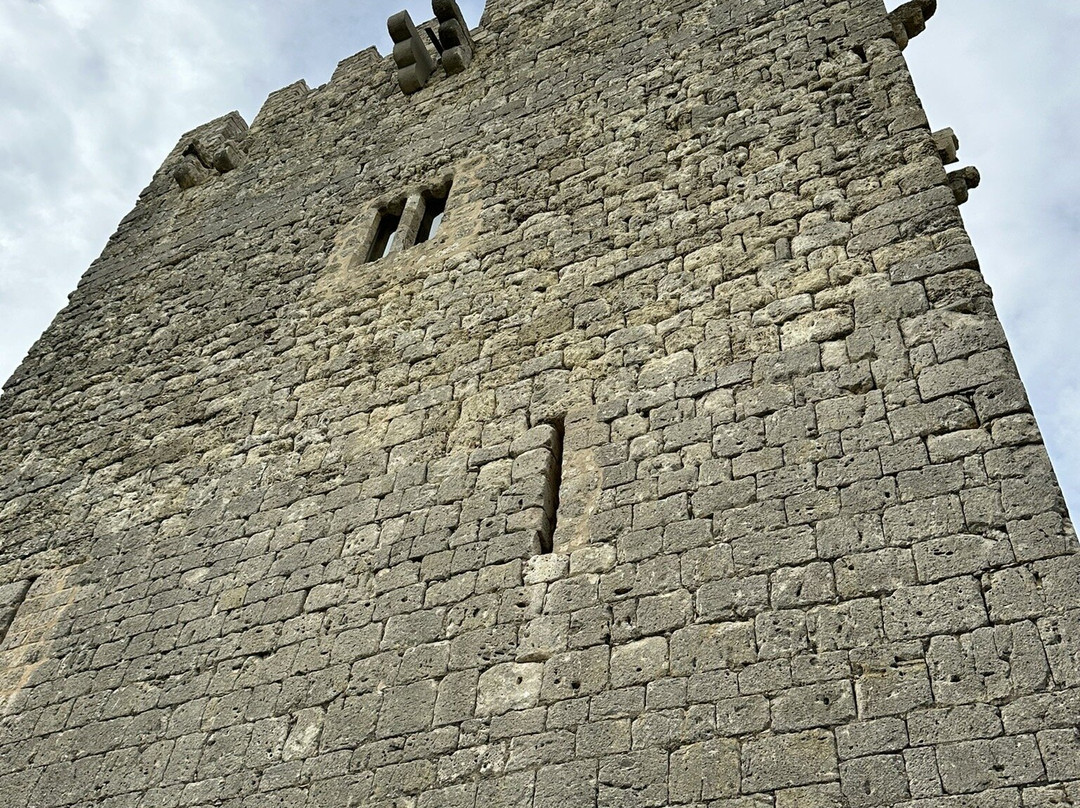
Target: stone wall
(686, 464)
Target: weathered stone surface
(679, 460)
(508, 687)
(784, 761)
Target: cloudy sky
(94, 94)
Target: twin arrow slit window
(407, 222)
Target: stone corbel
(963, 182)
(947, 146)
(229, 157)
(411, 55)
(909, 20)
(195, 167)
(454, 36)
(198, 166)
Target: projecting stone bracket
(909, 20)
(190, 173)
(964, 181)
(198, 164)
(195, 166)
(454, 36)
(947, 146)
(411, 56)
(414, 62)
(229, 157)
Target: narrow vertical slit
(9, 608)
(554, 483)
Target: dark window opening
(434, 210)
(384, 236)
(553, 487)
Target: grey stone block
(878, 780)
(508, 687)
(894, 690)
(822, 705)
(639, 662)
(948, 607)
(977, 766)
(704, 771)
(785, 761)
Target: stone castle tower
(602, 408)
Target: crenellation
(357, 68)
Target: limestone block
(877, 780)
(950, 725)
(704, 771)
(567, 785)
(639, 662)
(871, 737)
(229, 157)
(948, 607)
(942, 558)
(924, 779)
(780, 633)
(640, 776)
(1061, 753)
(1002, 662)
(1060, 636)
(743, 715)
(880, 572)
(575, 673)
(508, 687)
(456, 699)
(909, 20)
(822, 705)
(600, 738)
(191, 173)
(407, 709)
(894, 690)
(702, 648)
(827, 795)
(733, 598)
(947, 145)
(977, 766)
(784, 761)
